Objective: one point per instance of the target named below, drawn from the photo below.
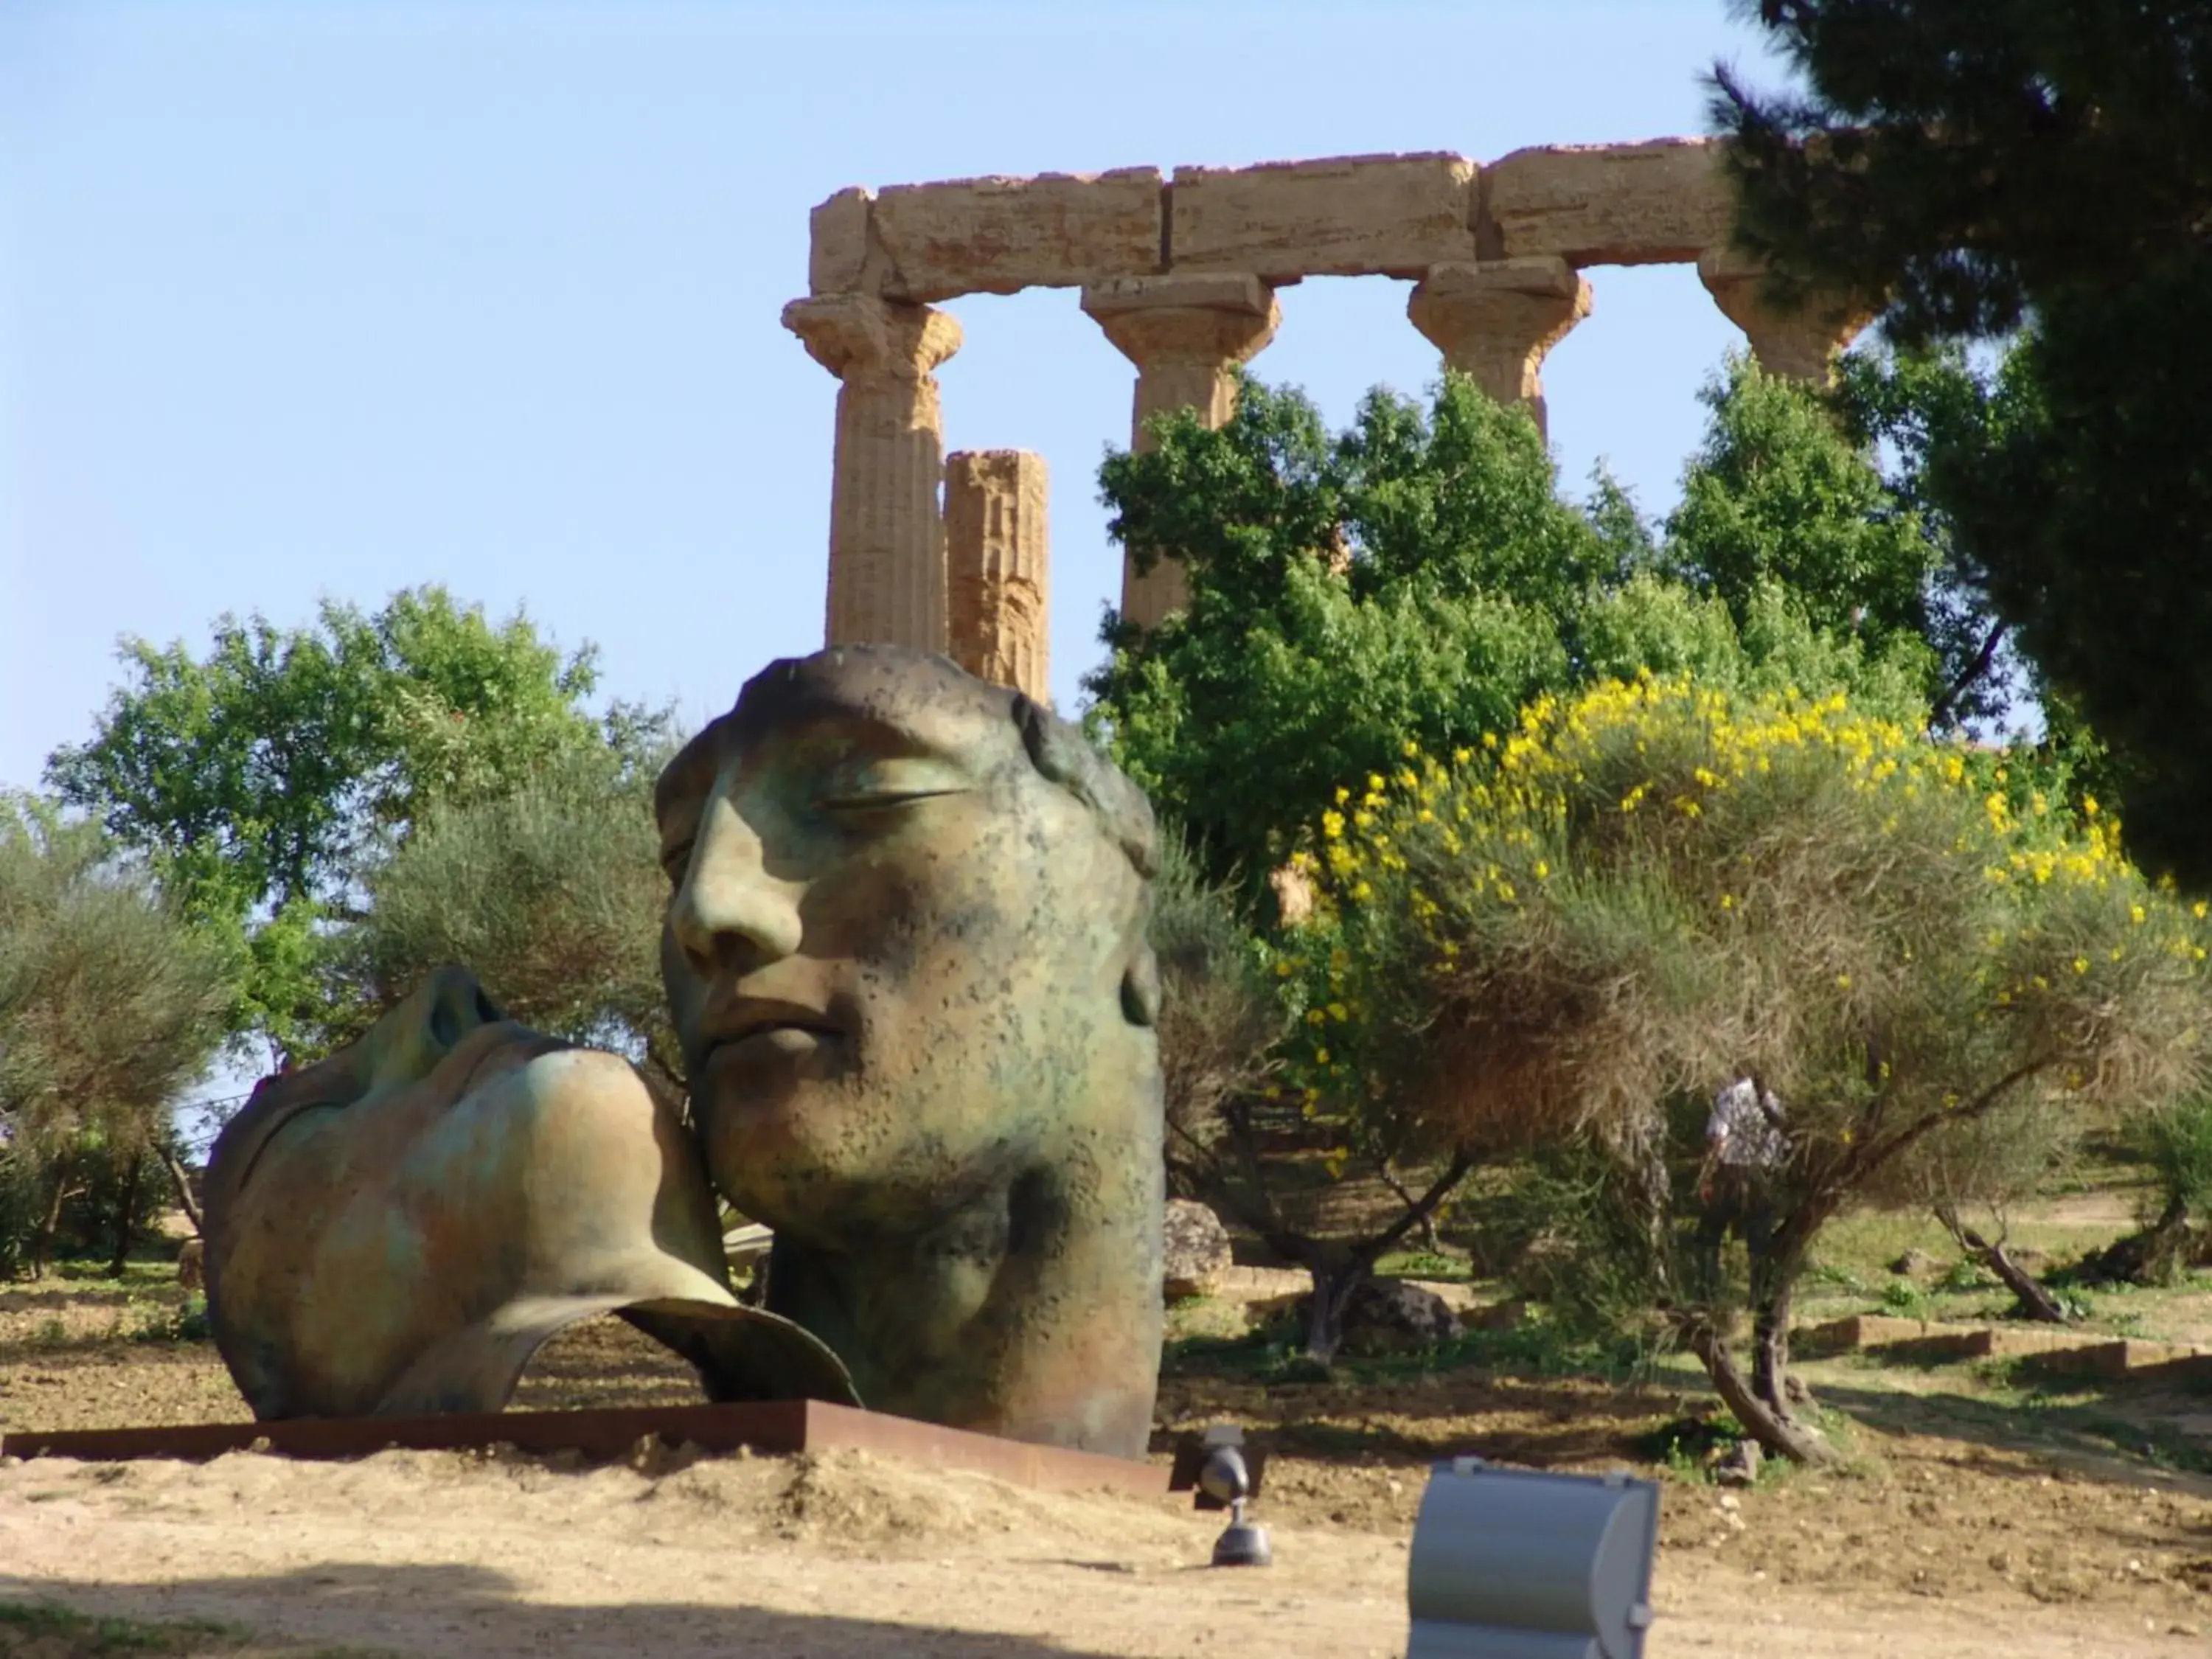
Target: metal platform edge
(776, 1426)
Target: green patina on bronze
(905, 951)
(906, 954)
(398, 1229)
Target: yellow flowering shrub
(1651, 885)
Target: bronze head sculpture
(906, 955)
(905, 951)
(398, 1229)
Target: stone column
(1800, 345)
(1185, 334)
(997, 566)
(1495, 321)
(886, 539)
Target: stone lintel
(837, 244)
(1658, 202)
(998, 235)
(1345, 216)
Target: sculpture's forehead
(803, 707)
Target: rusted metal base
(783, 1425)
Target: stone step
(2053, 1351)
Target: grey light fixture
(1224, 1472)
(1509, 1564)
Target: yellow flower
(2080, 964)
(1843, 982)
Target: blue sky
(331, 299)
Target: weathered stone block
(1351, 216)
(998, 235)
(1607, 204)
(1195, 1255)
(837, 248)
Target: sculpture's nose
(730, 912)
(427, 1027)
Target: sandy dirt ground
(837, 1555)
(1929, 1545)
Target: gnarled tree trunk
(1777, 1434)
(2036, 1302)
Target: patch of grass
(46, 1630)
(1423, 1264)
(1965, 1275)
(1904, 1299)
(1688, 1447)
(184, 1321)
(1275, 1353)
(26, 1627)
(1829, 1276)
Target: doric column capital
(1495, 321)
(1518, 308)
(858, 336)
(1213, 319)
(1801, 344)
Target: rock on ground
(1195, 1253)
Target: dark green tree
(2001, 162)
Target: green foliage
(110, 1007)
(260, 778)
(108, 998)
(1219, 1019)
(2177, 1143)
(1343, 594)
(551, 893)
(1778, 498)
(1420, 577)
(1940, 155)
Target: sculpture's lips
(765, 1027)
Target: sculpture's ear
(1060, 753)
(1140, 989)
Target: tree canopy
(551, 894)
(261, 778)
(1991, 167)
(110, 1005)
(1418, 577)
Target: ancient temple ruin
(1181, 271)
